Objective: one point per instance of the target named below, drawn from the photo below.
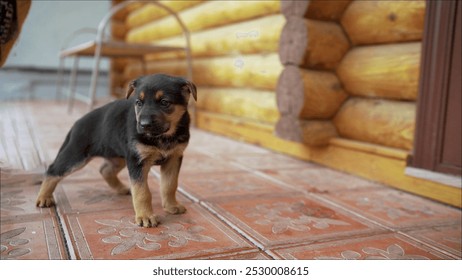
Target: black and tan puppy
(150, 128)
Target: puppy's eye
(138, 103)
(164, 103)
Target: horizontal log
(204, 16)
(257, 105)
(309, 132)
(330, 10)
(373, 22)
(388, 71)
(312, 43)
(151, 12)
(254, 36)
(253, 71)
(309, 94)
(383, 122)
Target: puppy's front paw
(175, 209)
(45, 201)
(147, 220)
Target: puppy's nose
(146, 123)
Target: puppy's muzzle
(151, 126)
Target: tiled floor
(244, 202)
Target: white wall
(47, 26)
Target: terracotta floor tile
(18, 201)
(203, 164)
(89, 195)
(36, 239)
(317, 179)
(240, 256)
(446, 238)
(396, 209)
(212, 186)
(112, 235)
(288, 219)
(268, 161)
(379, 247)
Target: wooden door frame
(434, 77)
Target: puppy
(149, 128)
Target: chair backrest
(79, 32)
(104, 22)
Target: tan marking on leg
(109, 170)
(141, 195)
(168, 185)
(45, 196)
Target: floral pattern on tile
(12, 200)
(127, 235)
(407, 209)
(282, 217)
(90, 197)
(392, 252)
(12, 244)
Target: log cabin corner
(371, 88)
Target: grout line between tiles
(429, 245)
(325, 200)
(65, 235)
(233, 226)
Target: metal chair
(103, 46)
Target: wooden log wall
(381, 66)
(381, 71)
(309, 93)
(312, 55)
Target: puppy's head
(160, 102)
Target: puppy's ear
(191, 89)
(131, 88)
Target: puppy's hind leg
(45, 196)
(110, 168)
(67, 161)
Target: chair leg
(72, 84)
(59, 79)
(94, 79)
